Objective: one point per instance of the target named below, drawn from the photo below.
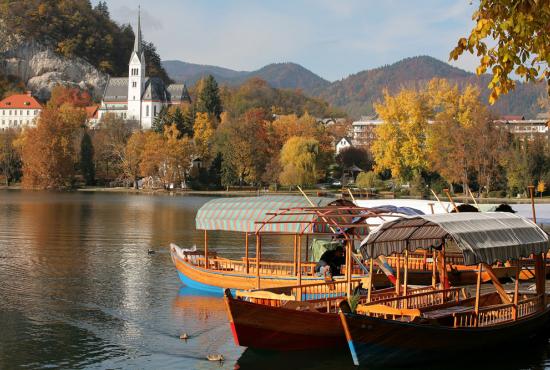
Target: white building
(137, 97)
(19, 110)
(344, 143)
(363, 131)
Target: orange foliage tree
(48, 150)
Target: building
(137, 97)
(524, 128)
(19, 110)
(344, 143)
(363, 131)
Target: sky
(331, 38)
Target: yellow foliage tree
(541, 187)
(400, 144)
(299, 161)
(518, 33)
(204, 129)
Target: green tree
(299, 161)
(368, 180)
(87, 159)
(10, 158)
(208, 97)
(518, 29)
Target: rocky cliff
(41, 68)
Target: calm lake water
(79, 290)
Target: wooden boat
(258, 216)
(275, 319)
(291, 216)
(405, 329)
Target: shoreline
(250, 192)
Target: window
(28, 113)
(15, 112)
(155, 110)
(146, 111)
(134, 84)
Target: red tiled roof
(512, 118)
(91, 111)
(20, 101)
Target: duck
(184, 336)
(150, 251)
(215, 358)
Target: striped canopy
(481, 237)
(243, 213)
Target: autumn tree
(242, 144)
(10, 158)
(208, 97)
(86, 164)
(401, 140)
(357, 156)
(131, 160)
(109, 142)
(510, 37)
(48, 150)
(204, 129)
(299, 161)
(69, 95)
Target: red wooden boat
(406, 329)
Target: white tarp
(481, 237)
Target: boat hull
(277, 328)
(375, 341)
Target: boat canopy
(481, 237)
(244, 213)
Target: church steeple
(138, 41)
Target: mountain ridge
(357, 93)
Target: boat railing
(420, 300)
(496, 314)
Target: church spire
(138, 42)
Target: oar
(439, 201)
(351, 195)
(451, 199)
(474, 199)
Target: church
(139, 98)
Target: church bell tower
(136, 77)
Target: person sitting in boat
(330, 262)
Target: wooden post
(371, 276)
(398, 277)
(258, 256)
(299, 258)
(246, 256)
(307, 248)
(478, 290)
(294, 257)
(434, 269)
(445, 284)
(349, 267)
(431, 207)
(205, 249)
(405, 280)
(532, 195)
(516, 290)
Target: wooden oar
(351, 195)
(448, 193)
(474, 199)
(439, 201)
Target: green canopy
(243, 213)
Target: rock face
(41, 69)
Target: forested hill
(357, 93)
(278, 75)
(73, 28)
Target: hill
(356, 94)
(278, 75)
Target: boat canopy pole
(299, 255)
(478, 290)
(246, 256)
(258, 256)
(205, 249)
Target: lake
(79, 290)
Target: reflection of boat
(409, 329)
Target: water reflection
(78, 289)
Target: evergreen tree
(87, 159)
(208, 97)
(184, 121)
(161, 120)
